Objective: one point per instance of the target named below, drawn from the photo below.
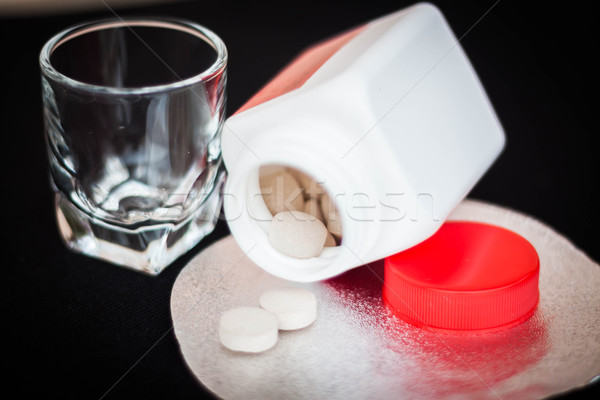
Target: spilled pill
(294, 307)
(248, 329)
(297, 234)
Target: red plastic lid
(467, 277)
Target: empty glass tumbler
(133, 111)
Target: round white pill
(248, 329)
(281, 192)
(297, 234)
(294, 307)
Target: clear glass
(133, 112)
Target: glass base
(147, 248)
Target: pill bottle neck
(315, 152)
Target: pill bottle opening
(308, 208)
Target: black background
(73, 326)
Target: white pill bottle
(390, 116)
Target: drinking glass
(133, 111)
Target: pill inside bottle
(305, 217)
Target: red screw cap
(468, 277)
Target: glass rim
(192, 28)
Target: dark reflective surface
(73, 326)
